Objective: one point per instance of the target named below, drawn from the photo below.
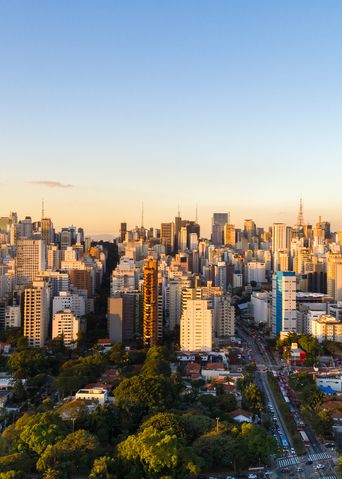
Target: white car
(320, 466)
(293, 451)
(252, 476)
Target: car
(308, 463)
(299, 469)
(320, 466)
(230, 477)
(293, 451)
(252, 476)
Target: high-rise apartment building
(68, 325)
(284, 306)
(30, 260)
(70, 301)
(334, 259)
(123, 318)
(279, 242)
(13, 316)
(36, 314)
(150, 304)
(175, 288)
(196, 329)
(224, 321)
(54, 257)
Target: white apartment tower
(67, 324)
(196, 330)
(30, 259)
(279, 242)
(70, 301)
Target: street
(319, 461)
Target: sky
(232, 105)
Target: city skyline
(235, 107)
(205, 225)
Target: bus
(305, 438)
(284, 442)
(300, 425)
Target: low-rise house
(296, 355)
(240, 415)
(208, 374)
(332, 382)
(99, 395)
(193, 370)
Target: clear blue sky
(233, 105)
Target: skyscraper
(150, 305)
(217, 226)
(196, 330)
(229, 234)
(279, 242)
(123, 231)
(167, 236)
(36, 314)
(47, 231)
(284, 308)
(30, 260)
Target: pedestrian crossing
(331, 476)
(288, 461)
(319, 456)
(293, 460)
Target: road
(264, 359)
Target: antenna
(142, 214)
(300, 217)
(178, 212)
(196, 217)
(43, 213)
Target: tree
(19, 392)
(27, 363)
(143, 394)
(257, 445)
(252, 398)
(104, 422)
(159, 454)
(17, 461)
(165, 422)
(116, 354)
(196, 425)
(47, 429)
(217, 450)
(10, 437)
(53, 474)
(74, 374)
(74, 453)
(12, 475)
(75, 411)
(325, 422)
(103, 468)
(156, 362)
